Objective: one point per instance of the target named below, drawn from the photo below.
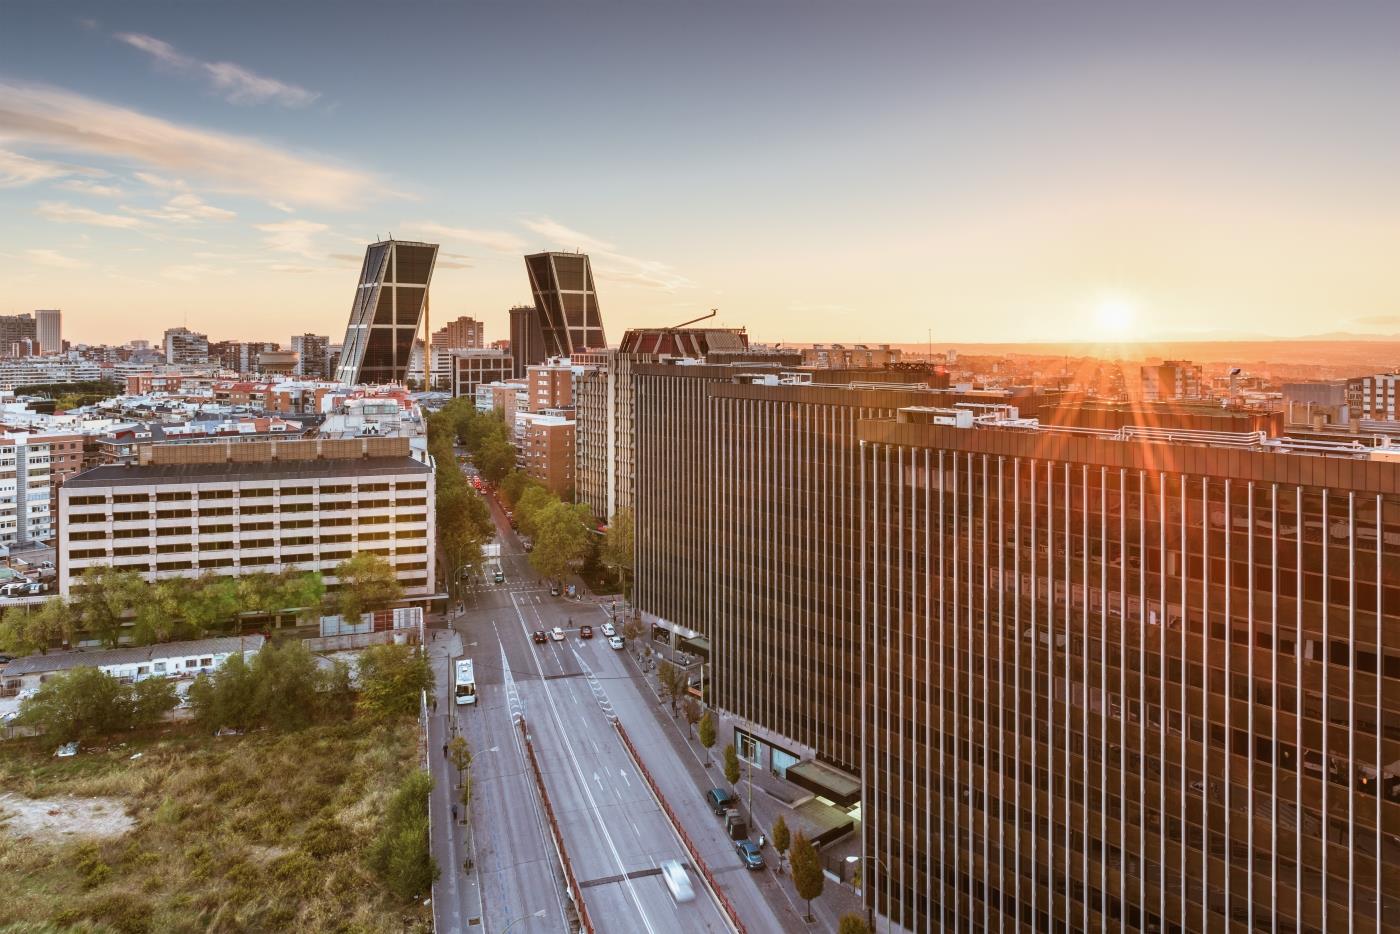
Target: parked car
(678, 881)
(557, 634)
(719, 800)
(734, 823)
(538, 636)
(553, 589)
(66, 750)
(615, 641)
(585, 631)
(749, 854)
(609, 630)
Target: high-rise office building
(313, 355)
(185, 346)
(1076, 679)
(566, 303)
(526, 338)
(390, 299)
(49, 329)
(18, 335)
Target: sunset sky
(816, 170)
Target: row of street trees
(463, 521)
(108, 603)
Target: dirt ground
(57, 819)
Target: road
(615, 833)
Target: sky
(816, 171)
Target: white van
(678, 881)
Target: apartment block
(471, 368)
(28, 480)
(1373, 397)
(1172, 379)
(230, 508)
(546, 451)
(313, 355)
(551, 386)
(465, 333)
(185, 346)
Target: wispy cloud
(55, 119)
(446, 260)
(53, 258)
(84, 186)
(297, 237)
(499, 240)
(194, 272)
(17, 170)
(184, 208)
(607, 262)
(236, 84)
(64, 213)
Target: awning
(695, 645)
(823, 780)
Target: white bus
(466, 682)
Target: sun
(1115, 314)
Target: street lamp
(870, 906)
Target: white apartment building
(26, 487)
(21, 371)
(187, 510)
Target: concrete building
(48, 325)
(1085, 679)
(1317, 405)
(239, 356)
(551, 385)
(546, 450)
(27, 482)
(1373, 397)
(465, 333)
(391, 299)
(25, 371)
(854, 356)
(313, 355)
(1171, 379)
(526, 339)
(19, 335)
(471, 368)
(229, 508)
(183, 346)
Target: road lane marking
(578, 771)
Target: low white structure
(167, 660)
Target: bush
(392, 680)
(87, 702)
(400, 853)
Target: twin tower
(391, 302)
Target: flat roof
(147, 474)
(130, 655)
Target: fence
(575, 891)
(710, 881)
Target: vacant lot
(264, 832)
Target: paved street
(615, 833)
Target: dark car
(749, 854)
(585, 632)
(719, 800)
(539, 637)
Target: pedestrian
(454, 813)
(444, 750)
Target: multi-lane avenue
(615, 834)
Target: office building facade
(526, 338)
(566, 303)
(19, 335)
(48, 326)
(1088, 679)
(390, 301)
(471, 368)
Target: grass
(262, 832)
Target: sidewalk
(770, 796)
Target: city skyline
(1090, 173)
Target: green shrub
(400, 854)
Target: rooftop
(145, 475)
(83, 658)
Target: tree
(731, 764)
(151, 700)
(853, 923)
(531, 507)
(367, 583)
(226, 698)
(806, 870)
(212, 602)
(782, 838)
(633, 628)
(618, 548)
(400, 852)
(392, 679)
(26, 630)
(561, 538)
(494, 460)
(673, 682)
(459, 753)
(102, 599)
(286, 679)
(692, 713)
(81, 703)
(708, 737)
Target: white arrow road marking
(622, 772)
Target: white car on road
(678, 881)
(609, 630)
(615, 641)
(557, 634)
